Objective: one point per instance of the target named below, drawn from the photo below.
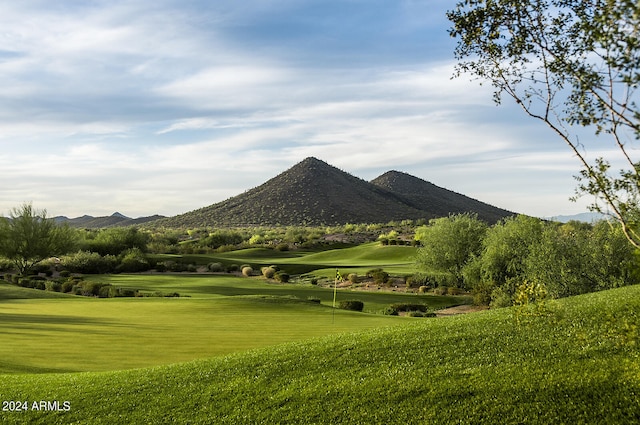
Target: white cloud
(167, 106)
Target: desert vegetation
(189, 304)
(494, 262)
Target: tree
(116, 240)
(577, 258)
(28, 237)
(568, 64)
(449, 243)
(502, 262)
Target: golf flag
(335, 290)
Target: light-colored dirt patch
(460, 309)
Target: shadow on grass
(12, 321)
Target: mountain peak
(118, 215)
(437, 200)
(313, 193)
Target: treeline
(494, 262)
(115, 241)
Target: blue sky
(168, 106)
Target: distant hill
(114, 220)
(587, 217)
(313, 192)
(434, 200)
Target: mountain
(434, 200)
(313, 192)
(114, 220)
(587, 217)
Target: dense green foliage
(27, 237)
(450, 243)
(568, 259)
(113, 241)
(578, 364)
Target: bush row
(413, 310)
(76, 285)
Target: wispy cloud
(168, 106)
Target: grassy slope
(397, 259)
(222, 314)
(215, 286)
(579, 366)
(99, 335)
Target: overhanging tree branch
(582, 51)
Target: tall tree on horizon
(27, 237)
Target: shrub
(26, 282)
(379, 276)
(107, 291)
(226, 248)
(500, 298)
(314, 300)
(409, 307)
(282, 277)
(89, 262)
(6, 265)
(423, 289)
(390, 311)
(215, 267)
(247, 271)
(353, 305)
(67, 286)
(53, 286)
(172, 266)
(126, 292)
(40, 267)
(441, 290)
(133, 261)
(482, 293)
(282, 247)
(91, 289)
(455, 291)
(418, 279)
(353, 277)
(233, 268)
(268, 272)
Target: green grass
(42, 336)
(398, 259)
(14, 292)
(215, 315)
(578, 365)
(214, 286)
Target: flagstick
(335, 289)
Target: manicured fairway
(578, 363)
(215, 314)
(84, 334)
(396, 259)
(215, 286)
